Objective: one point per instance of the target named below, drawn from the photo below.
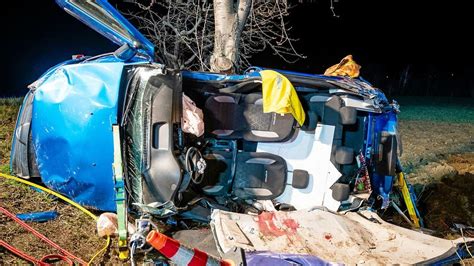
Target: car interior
(223, 165)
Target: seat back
(330, 110)
(242, 117)
(259, 175)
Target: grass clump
(11, 101)
(8, 114)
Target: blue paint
(460, 252)
(73, 113)
(206, 76)
(369, 141)
(38, 217)
(294, 73)
(76, 103)
(385, 122)
(111, 58)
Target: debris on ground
(107, 224)
(364, 237)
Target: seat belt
(120, 196)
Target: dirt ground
(439, 161)
(428, 145)
(438, 158)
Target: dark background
(404, 47)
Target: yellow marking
(406, 197)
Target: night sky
(383, 36)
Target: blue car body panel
(101, 16)
(74, 144)
(206, 76)
(387, 123)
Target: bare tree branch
(186, 36)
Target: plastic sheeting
(193, 118)
(347, 67)
(73, 113)
(275, 259)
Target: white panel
(333, 176)
(310, 152)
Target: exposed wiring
(104, 248)
(54, 193)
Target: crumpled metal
(71, 128)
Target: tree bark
(229, 20)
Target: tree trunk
(229, 20)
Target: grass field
(8, 113)
(437, 109)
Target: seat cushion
(259, 175)
(222, 114)
(233, 117)
(315, 104)
(218, 173)
(262, 126)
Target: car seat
(330, 110)
(259, 175)
(241, 116)
(247, 175)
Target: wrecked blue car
(345, 154)
(294, 183)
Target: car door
(101, 16)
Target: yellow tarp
(280, 96)
(347, 67)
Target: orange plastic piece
(182, 255)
